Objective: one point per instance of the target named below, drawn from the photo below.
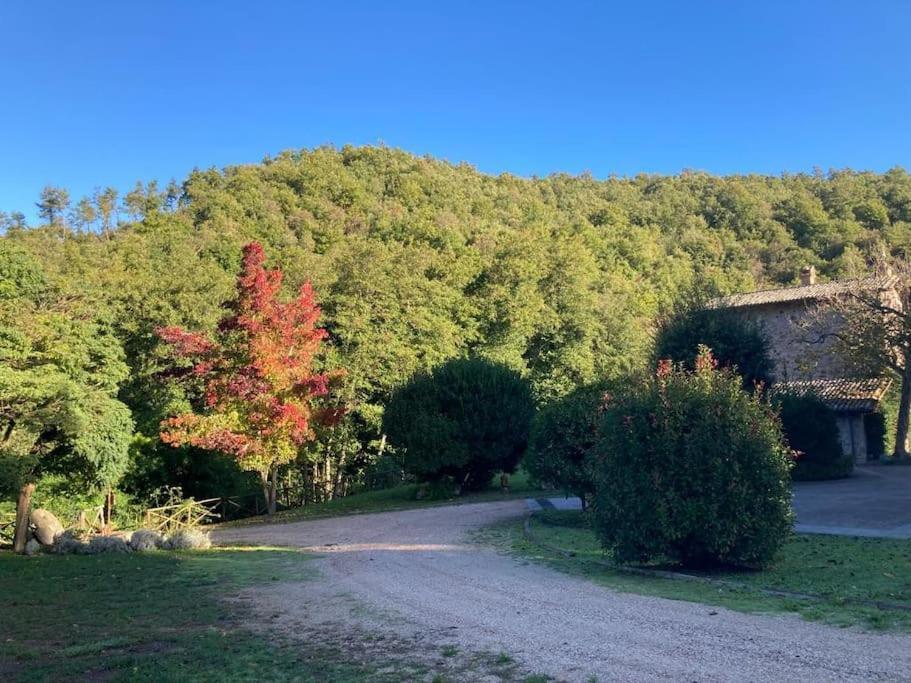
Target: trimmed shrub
(106, 544)
(563, 434)
(69, 543)
(143, 540)
(462, 422)
(811, 432)
(736, 341)
(692, 470)
(188, 539)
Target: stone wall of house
(852, 435)
(796, 346)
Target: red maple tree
(261, 397)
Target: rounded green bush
(876, 430)
(811, 431)
(563, 434)
(736, 341)
(464, 421)
(692, 470)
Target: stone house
(805, 361)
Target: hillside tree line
(414, 261)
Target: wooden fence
(254, 504)
(188, 513)
(7, 528)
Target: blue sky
(105, 93)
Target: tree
(106, 204)
(736, 341)
(60, 370)
(259, 390)
(21, 276)
(172, 195)
(811, 431)
(53, 204)
(692, 469)
(12, 222)
(870, 321)
(142, 201)
(84, 214)
(563, 435)
(462, 422)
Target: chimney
(808, 275)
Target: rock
(33, 547)
(47, 526)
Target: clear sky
(105, 93)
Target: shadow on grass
(397, 498)
(841, 571)
(154, 616)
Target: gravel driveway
(413, 574)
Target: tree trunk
(312, 474)
(108, 508)
(273, 492)
(337, 480)
(23, 508)
(270, 484)
(904, 407)
(327, 478)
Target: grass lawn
(153, 617)
(839, 569)
(163, 616)
(398, 498)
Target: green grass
(163, 616)
(838, 569)
(397, 498)
(153, 617)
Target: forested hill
(416, 260)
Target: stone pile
(49, 535)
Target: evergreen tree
(53, 204)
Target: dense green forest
(414, 261)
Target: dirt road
(413, 574)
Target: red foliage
(185, 343)
(705, 361)
(259, 383)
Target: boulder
(33, 547)
(47, 526)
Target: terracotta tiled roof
(841, 395)
(803, 292)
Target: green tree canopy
(463, 421)
(418, 261)
(735, 340)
